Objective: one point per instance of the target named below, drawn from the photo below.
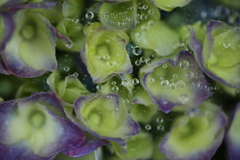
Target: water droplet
(184, 64)
(108, 40)
(109, 96)
(121, 23)
(114, 83)
(172, 85)
(165, 102)
(75, 74)
(164, 83)
(115, 88)
(137, 51)
(125, 101)
(159, 120)
(145, 28)
(89, 15)
(143, 59)
(143, 17)
(183, 98)
(132, 149)
(148, 127)
(135, 81)
(226, 45)
(161, 78)
(66, 68)
(164, 66)
(175, 76)
(145, 6)
(98, 87)
(138, 62)
(151, 80)
(124, 82)
(138, 35)
(190, 74)
(69, 45)
(180, 84)
(160, 128)
(150, 23)
(149, 62)
(151, 11)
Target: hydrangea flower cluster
(119, 80)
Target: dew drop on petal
(148, 127)
(137, 51)
(135, 81)
(184, 64)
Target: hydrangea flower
(105, 116)
(175, 83)
(104, 52)
(198, 134)
(31, 50)
(36, 128)
(218, 54)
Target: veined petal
(175, 83)
(105, 53)
(232, 136)
(31, 50)
(41, 126)
(105, 116)
(169, 5)
(198, 134)
(218, 55)
(90, 145)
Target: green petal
(158, 37)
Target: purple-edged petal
(90, 144)
(31, 50)
(232, 136)
(41, 126)
(218, 54)
(3, 69)
(197, 135)
(105, 116)
(175, 83)
(169, 5)
(45, 5)
(104, 52)
(7, 27)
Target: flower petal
(155, 35)
(68, 89)
(41, 124)
(7, 27)
(218, 55)
(198, 134)
(169, 5)
(31, 50)
(105, 117)
(175, 83)
(90, 144)
(232, 136)
(105, 53)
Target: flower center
(28, 32)
(37, 119)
